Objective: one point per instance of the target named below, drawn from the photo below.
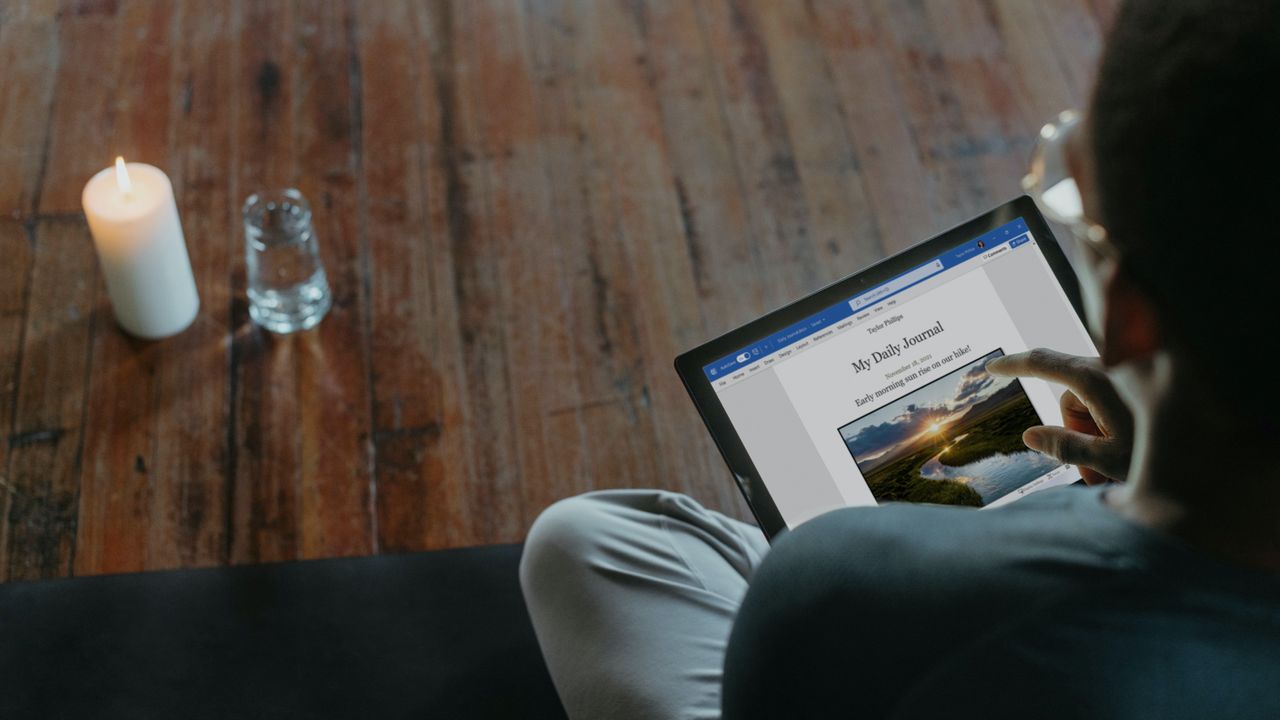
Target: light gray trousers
(632, 595)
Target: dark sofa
(430, 635)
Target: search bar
(921, 273)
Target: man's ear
(1131, 329)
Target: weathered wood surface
(527, 208)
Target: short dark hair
(1186, 141)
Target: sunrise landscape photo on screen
(955, 441)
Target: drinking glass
(288, 290)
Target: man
(1154, 594)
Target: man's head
(1184, 142)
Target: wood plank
(482, 216)
(856, 45)
(82, 113)
(302, 434)
(422, 465)
(123, 422)
(15, 272)
(998, 130)
(48, 414)
(642, 272)
(336, 514)
(190, 463)
(155, 457)
(586, 407)
(477, 254)
(1041, 84)
(601, 431)
(264, 435)
(29, 54)
(120, 435)
(727, 266)
(46, 436)
(770, 181)
(1074, 32)
(729, 273)
(148, 83)
(955, 177)
(845, 231)
(519, 211)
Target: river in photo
(995, 476)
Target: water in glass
(288, 290)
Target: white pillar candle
(135, 227)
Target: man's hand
(1098, 437)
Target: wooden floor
(527, 209)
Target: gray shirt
(1053, 606)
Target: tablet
(874, 389)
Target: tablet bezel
(689, 365)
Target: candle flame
(122, 177)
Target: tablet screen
(884, 396)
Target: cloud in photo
(975, 380)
